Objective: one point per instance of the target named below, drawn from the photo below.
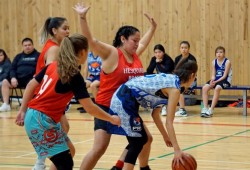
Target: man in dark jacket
(22, 71)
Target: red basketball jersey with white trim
(124, 72)
(47, 95)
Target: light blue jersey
(143, 90)
(94, 64)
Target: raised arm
(105, 51)
(147, 36)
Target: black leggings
(135, 146)
(63, 161)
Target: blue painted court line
(152, 159)
(195, 146)
(192, 147)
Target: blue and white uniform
(220, 69)
(144, 91)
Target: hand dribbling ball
(189, 163)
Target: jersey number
(46, 83)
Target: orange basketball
(189, 163)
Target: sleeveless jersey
(220, 69)
(41, 61)
(94, 64)
(47, 95)
(145, 90)
(110, 82)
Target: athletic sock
(119, 164)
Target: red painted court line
(150, 121)
(216, 124)
(84, 119)
(189, 123)
(155, 134)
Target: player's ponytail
(68, 58)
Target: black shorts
(22, 82)
(223, 83)
(101, 124)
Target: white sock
(40, 161)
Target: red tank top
(110, 82)
(47, 100)
(41, 61)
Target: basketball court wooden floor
(218, 143)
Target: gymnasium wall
(206, 24)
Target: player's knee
(100, 150)
(149, 138)
(93, 87)
(5, 83)
(71, 148)
(217, 88)
(100, 147)
(205, 88)
(63, 161)
(65, 127)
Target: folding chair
(19, 95)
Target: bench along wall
(206, 24)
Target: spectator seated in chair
(5, 66)
(22, 70)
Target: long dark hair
(161, 48)
(5, 55)
(184, 69)
(125, 31)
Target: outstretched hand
(81, 9)
(178, 158)
(151, 20)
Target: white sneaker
(163, 111)
(181, 113)
(5, 107)
(208, 114)
(40, 164)
(203, 111)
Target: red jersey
(53, 96)
(41, 61)
(110, 82)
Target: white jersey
(143, 90)
(147, 89)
